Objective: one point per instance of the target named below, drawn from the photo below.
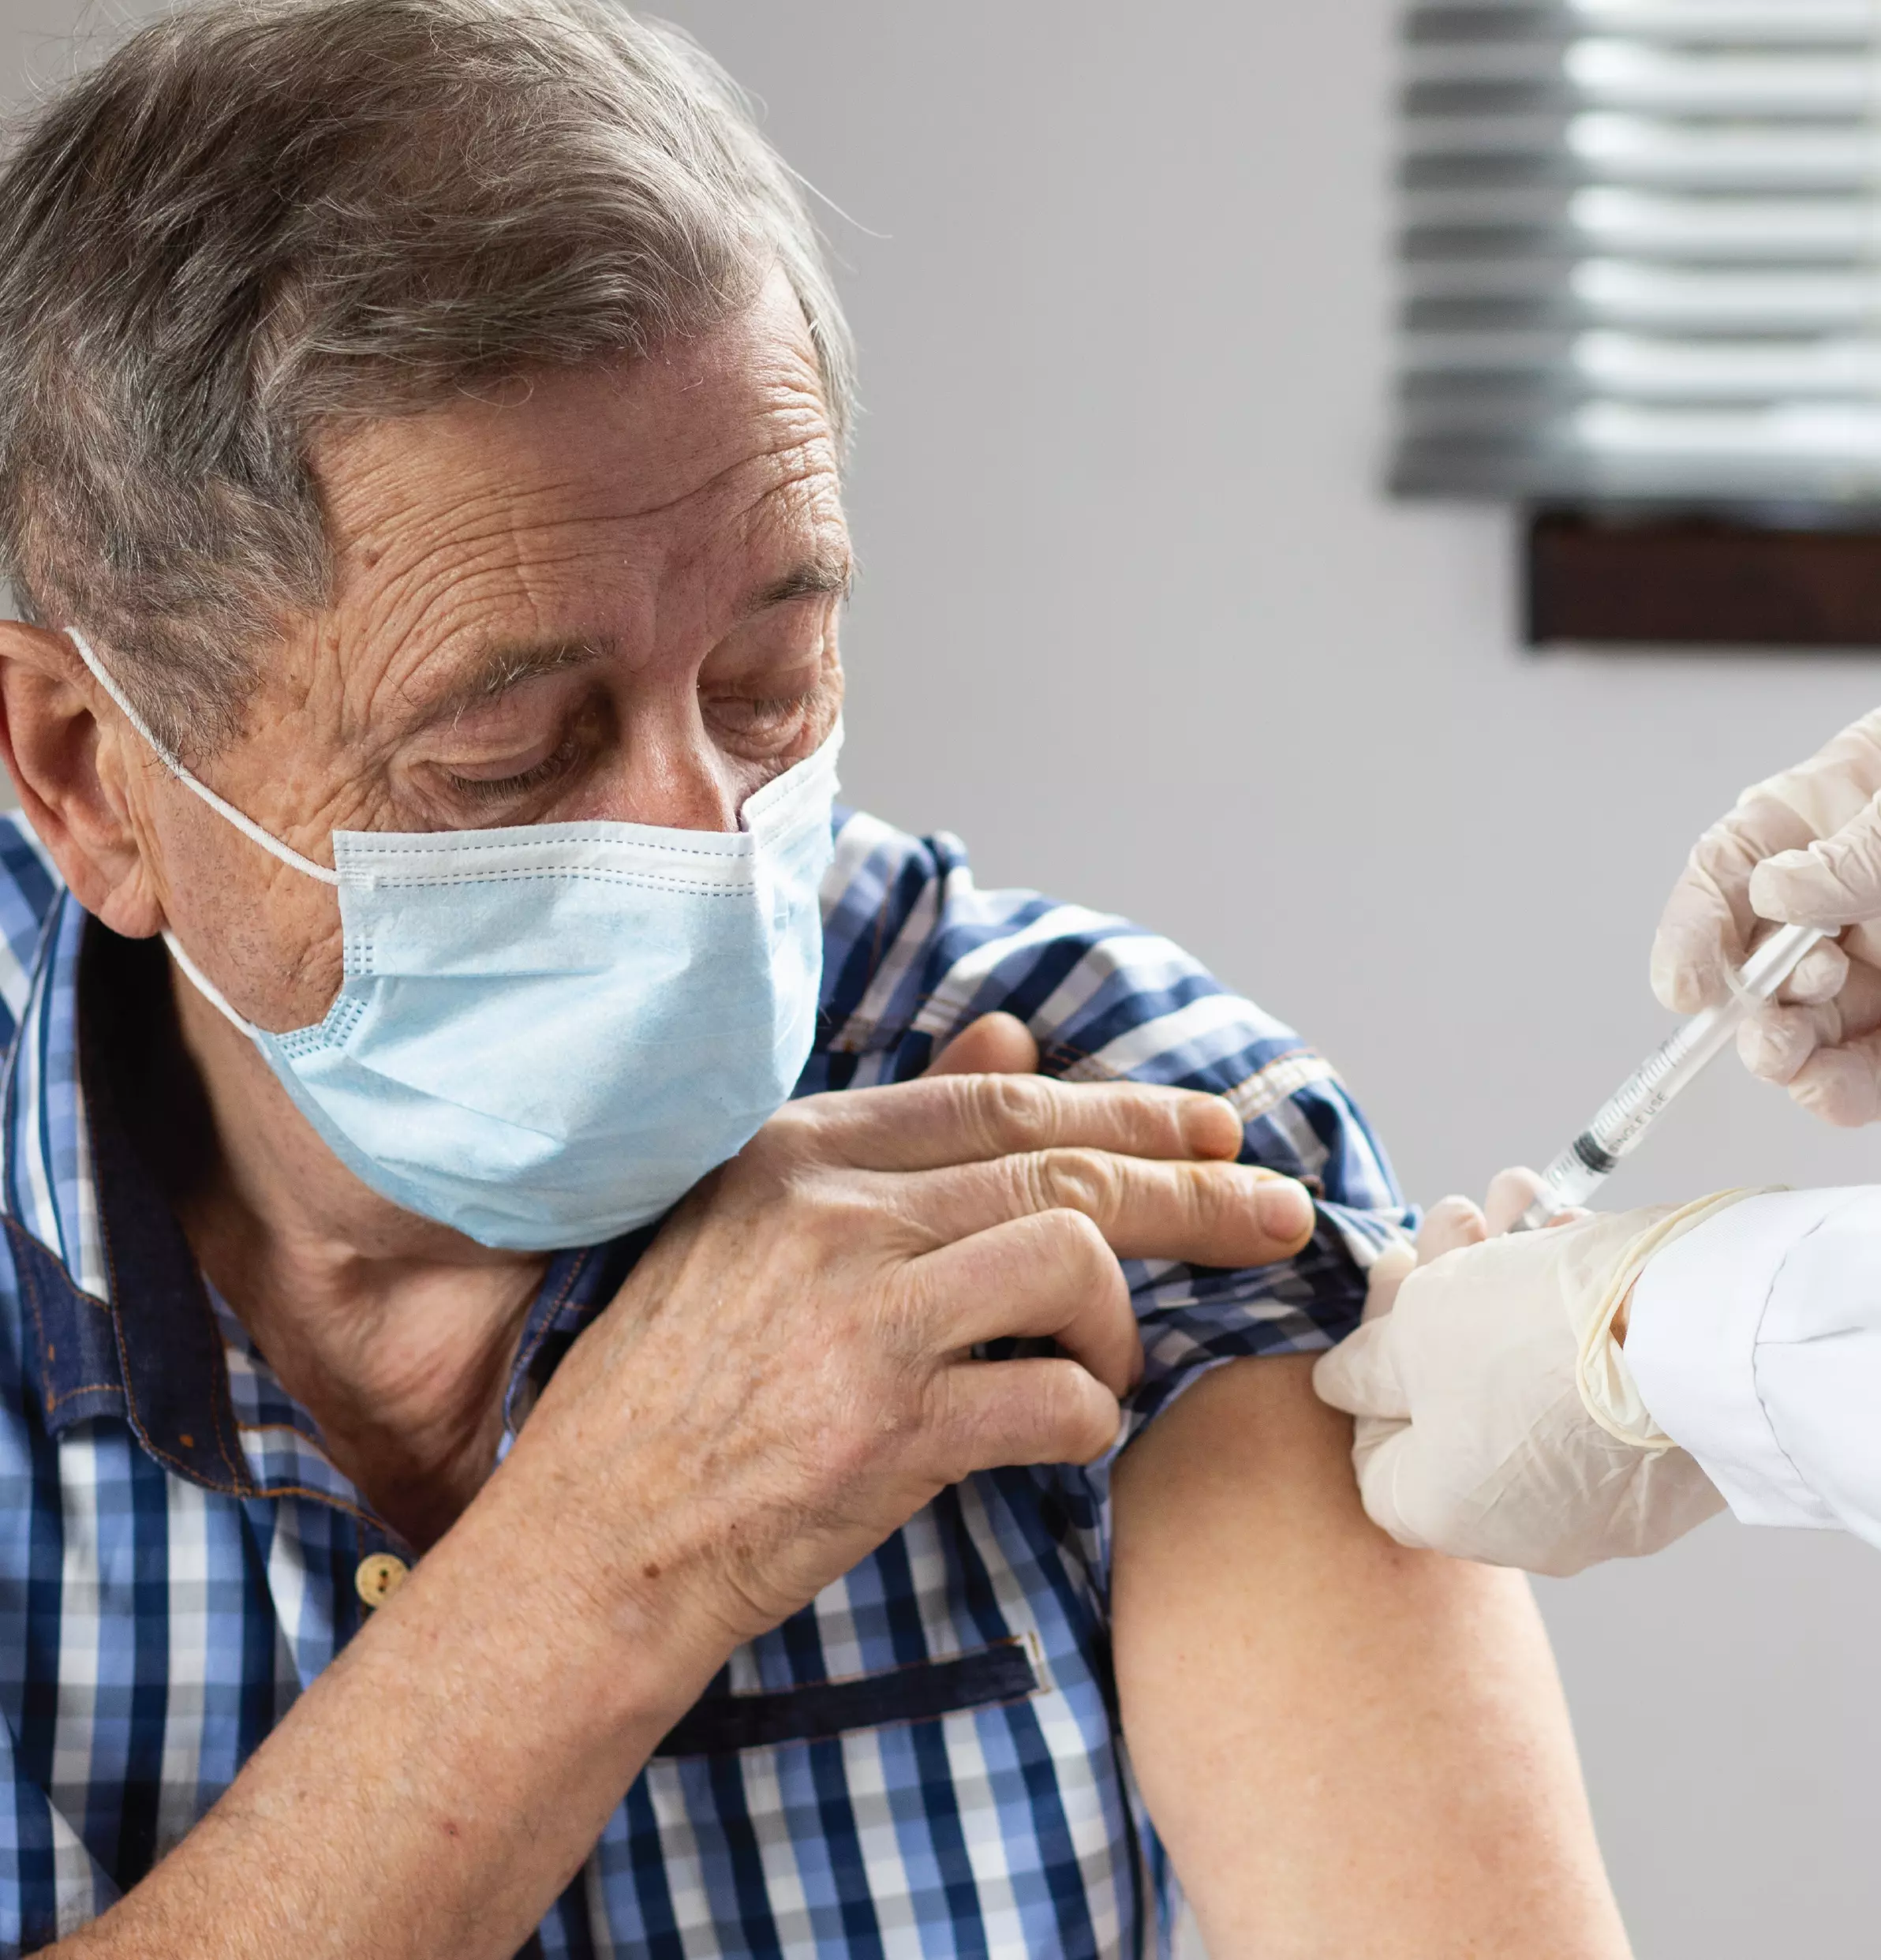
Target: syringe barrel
(1570, 1180)
(1621, 1122)
(1626, 1116)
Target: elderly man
(483, 1468)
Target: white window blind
(1641, 251)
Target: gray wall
(1134, 620)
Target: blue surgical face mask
(545, 1036)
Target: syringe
(1625, 1117)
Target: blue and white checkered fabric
(926, 1760)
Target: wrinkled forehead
(636, 506)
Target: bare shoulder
(1347, 1747)
(1258, 1415)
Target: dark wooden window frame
(1660, 579)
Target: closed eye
(490, 789)
(747, 715)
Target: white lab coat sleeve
(1755, 1341)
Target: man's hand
(789, 1374)
(1496, 1418)
(1802, 849)
(785, 1379)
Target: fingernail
(1210, 1127)
(1284, 1208)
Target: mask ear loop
(206, 987)
(247, 825)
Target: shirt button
(379, 1576)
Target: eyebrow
(507, 665)
(827, 576)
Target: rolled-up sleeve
(1756, 1342)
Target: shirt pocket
(722, 1722)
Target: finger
(949, 1119)
(1842, 1085)
(1388, 1272)
(1048, 1276)
(1831, 884)
(1698, 941)
(1821, 974)
(1831, 787)
(1369, 1436)
(1381, 1468)
(1862, 944)
(1511, 1192)
(1360, 1375)
(1859, 1002)
(1775, 1043)
(992, 1414)
(994, 1044)
(1705, 930)
(1450, 1223)
(1201, 1214)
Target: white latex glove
(1496, 1417)
(1802, 849)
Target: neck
(396, 1334)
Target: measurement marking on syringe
(1624, 1118)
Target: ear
(69, 768)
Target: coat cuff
(1693, 1330)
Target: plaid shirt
(927, 1760)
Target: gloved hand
(1496, 1420)
(1802, 849)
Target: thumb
(1388, 1272)
(1380, 1467)
(1360, 1375)
(994, 1044)
(1834, 883)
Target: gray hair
(259, 216)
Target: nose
(673, 778)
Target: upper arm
(1347, 1748)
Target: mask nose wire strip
(247, 825)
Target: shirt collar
(118, 1320)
